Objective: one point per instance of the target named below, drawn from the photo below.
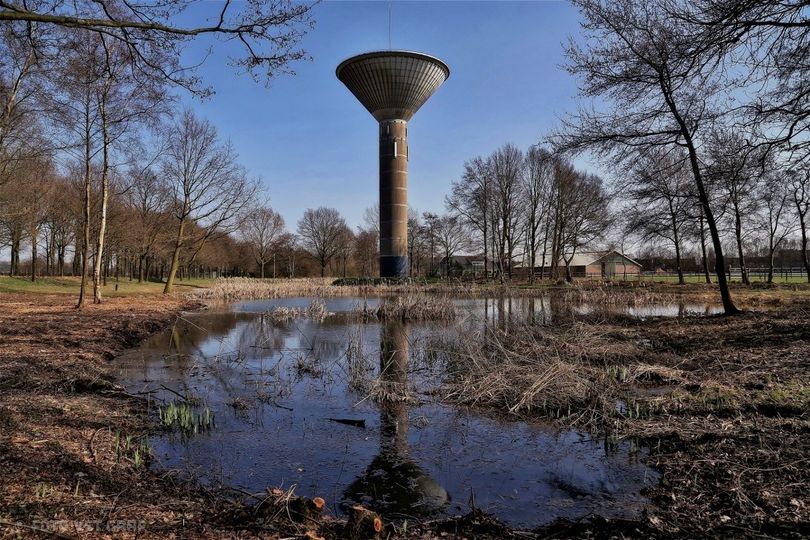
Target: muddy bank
(71, 460)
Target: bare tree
(123, 99)
(451, 236)
(800, 195)
(266, 31)
(33, 201)
(537, 179)
(345, 245)
(701, 230)
(506, 163)
(320, 231)
(75, 110)
(61, 223)
(22, 72)
(366, 250)
(768, 43)
(471, 198)
(584, 210)
(775, 220)
(416, 242)
(658, 191)
(431, 224)
(149, 197)
(735, 168)
(262, 228)
(209, 188)
(657, 83)
(371, 219)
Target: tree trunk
(15, 255)
(705, 259)
(486, 253)
(741, 253)
(262, 269)
(60, 260)
(49, 245)
(532, 248)
(803, 228)
(725, 293)
(105, 181)
(86, 216)
(674, 223)
(681, 280)
(175, 257)
(34, 255)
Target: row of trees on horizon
(697, 109)
(530, 209)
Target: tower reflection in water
(393, 483)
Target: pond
(286, 404)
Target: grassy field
(70, 285)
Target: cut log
(362, 524)
(304, 510)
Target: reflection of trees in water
(506, 311)
(393, 483)
(229, 348)
(225, 348)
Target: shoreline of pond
(77, 414)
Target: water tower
(392, 85)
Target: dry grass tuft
(229, 289)
(385, 391)
(359, 364)
(532, 370)
(410, 308)
(316, 311)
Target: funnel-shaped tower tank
(392, 85)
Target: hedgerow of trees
(695, 112)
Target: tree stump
(304, 510)
(363, 524)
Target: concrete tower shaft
(393, 198)
(392, 86)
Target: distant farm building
(594, 264)
(462, 265)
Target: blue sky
(314, 145)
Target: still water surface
(413, 459)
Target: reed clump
(316, 311)
(232, 289)
(410, 308)
(384, 391)
(309, 365)
(359, 366)
(567, 373)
